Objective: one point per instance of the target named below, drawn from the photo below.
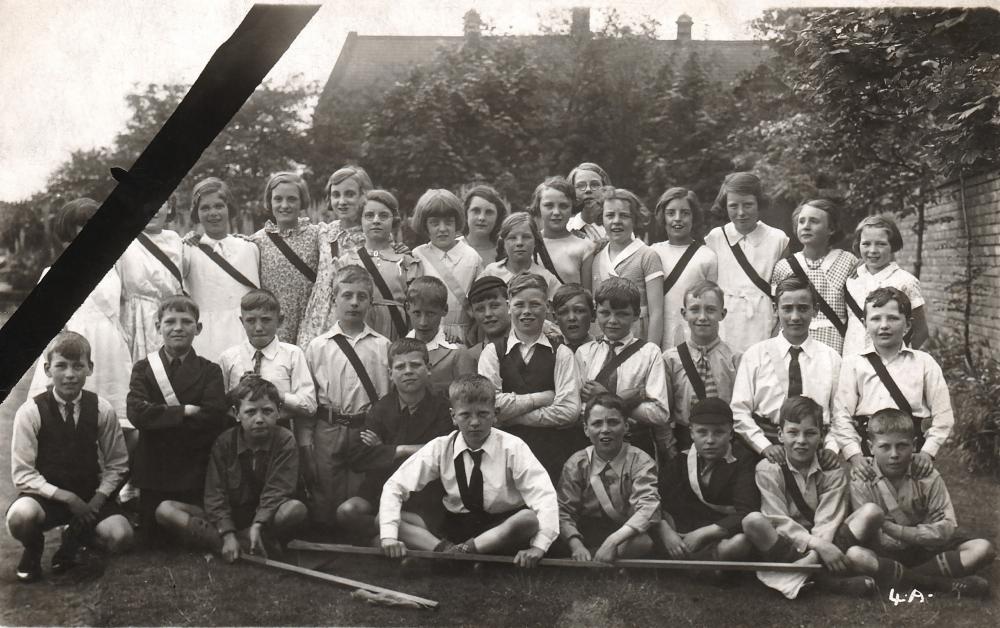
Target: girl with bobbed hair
(567, 255)
(588, 179)
(517, 252)
(485, 209)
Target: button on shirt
(512, 477)
(337, 384)
(722, 362)
(282, 364)
(761, 385)
(643, 372)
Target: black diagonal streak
(231, 75)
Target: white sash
(160, 373)
(692, 473)
(602, 493)
(885, 491)
(450, 281)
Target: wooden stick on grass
(721, 565)
(344, 582)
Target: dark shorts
(913, 555)
(460, 527)
(58, 513)
(785, 552)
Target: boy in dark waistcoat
(68, 456)
(177, 401)
(538, 387)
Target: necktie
(257, 357)
(610, 479)
(711, 390)
(476, 482)
(612, 383)
(794, 372)
(69, 414)
(174, 365)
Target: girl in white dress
(566, 254)
(218, 291)
(146, 280)
(676, 218)
(750, 316)
(98, 321)
(485, 210)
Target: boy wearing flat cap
(708, 489)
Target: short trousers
(58, 513)
(914, 555)
(784, 550)
(459, 527)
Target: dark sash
(617, 360)
(226, 266)
(823, 305)
(395, 311)
(292, 256)
(744, 263)
(359, 367)
(691, 370)
(853, 306)
(682, 263)
(543, 252)
(793, 490)
(887, 381)
(161, 257)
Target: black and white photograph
(499, 313)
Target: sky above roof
(66, 65)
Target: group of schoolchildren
(580, 394)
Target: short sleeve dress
(280, 276)
(639, 264)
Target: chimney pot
(580, 26)
(684, 23)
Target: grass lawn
(185, 588)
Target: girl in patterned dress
(876, 240)
(570, 256)
(285, 196)
(516, 252)
(485, 210)
(676, 219)
(379, 219)
(628, 257)
(345, 192)
(217, 291)
(750, 316)
(817, 227)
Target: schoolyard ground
(184, 588)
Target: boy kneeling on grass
(251, 480)
(803, 516)
(919, 543)
(608, 500)
(67, 456)
(498, 497)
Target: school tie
(257, 357)
(174, 365)
(610, 479)
(711, 389)
(476, 482)
(612, 384)
(794, 372)
(69, 406)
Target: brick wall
(944, 257)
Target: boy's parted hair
(178, 303)
(878, 222)
(437, 203)
(73, 216)
(352, 273)
(833, 216)
(890, 421)
(607, 400)
(798, 408)
(640, 215)
(620, 293)
(740, 183)
(567, 292)
(701, 287)
(385, 198)
(472, 389)
(526, 281)
(490, 195)
(429, 290)
(69, 345)
(253, 388)
(881, 296)
(556, 183)
(793, 284)
(210, 185)
(305, 201)
(590, 167)
(408, 345)
(260, 299)
(512, 222)
(343, 174)
(658, 230)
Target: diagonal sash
(395, 312)
(889, 383)
(853, 306)
(601, 492)
(744, 263)
(292, 256)
(359, 367)
(450, 281)
(617, 360)
(691, 370)
(161, 257)
(891, 505)
(543, 252)
(160, 374)
(824, 307)
(682, 263)
(224, 264)
(796, 494)
(692, 473)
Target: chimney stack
(472, 25)
(684, 23)
(580, 26)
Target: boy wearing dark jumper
(177, 401)
(68, 456)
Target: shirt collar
(242, 444)
(336, 329)
(903, 350)
(881, 275)
(825, 263)
(211, 241)
(489, 446)
(706, 349)
(880, 474)
(598, 464)
(729, 458)
(438, 342)
(513, 341)
(62, 401)
(808, 345)
(167, 358)
(624, 342)
(413, 409)
(270, 351)
(271, 227)
(735, 236)
(813, 468)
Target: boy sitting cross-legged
(177, 401)
(621, 364)
(803, 514)
(498, 498)
(709, 489)
(608, 501)
(919, 543)
(250, 483)
(427, 305)
(396, 427)
(68, 456)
